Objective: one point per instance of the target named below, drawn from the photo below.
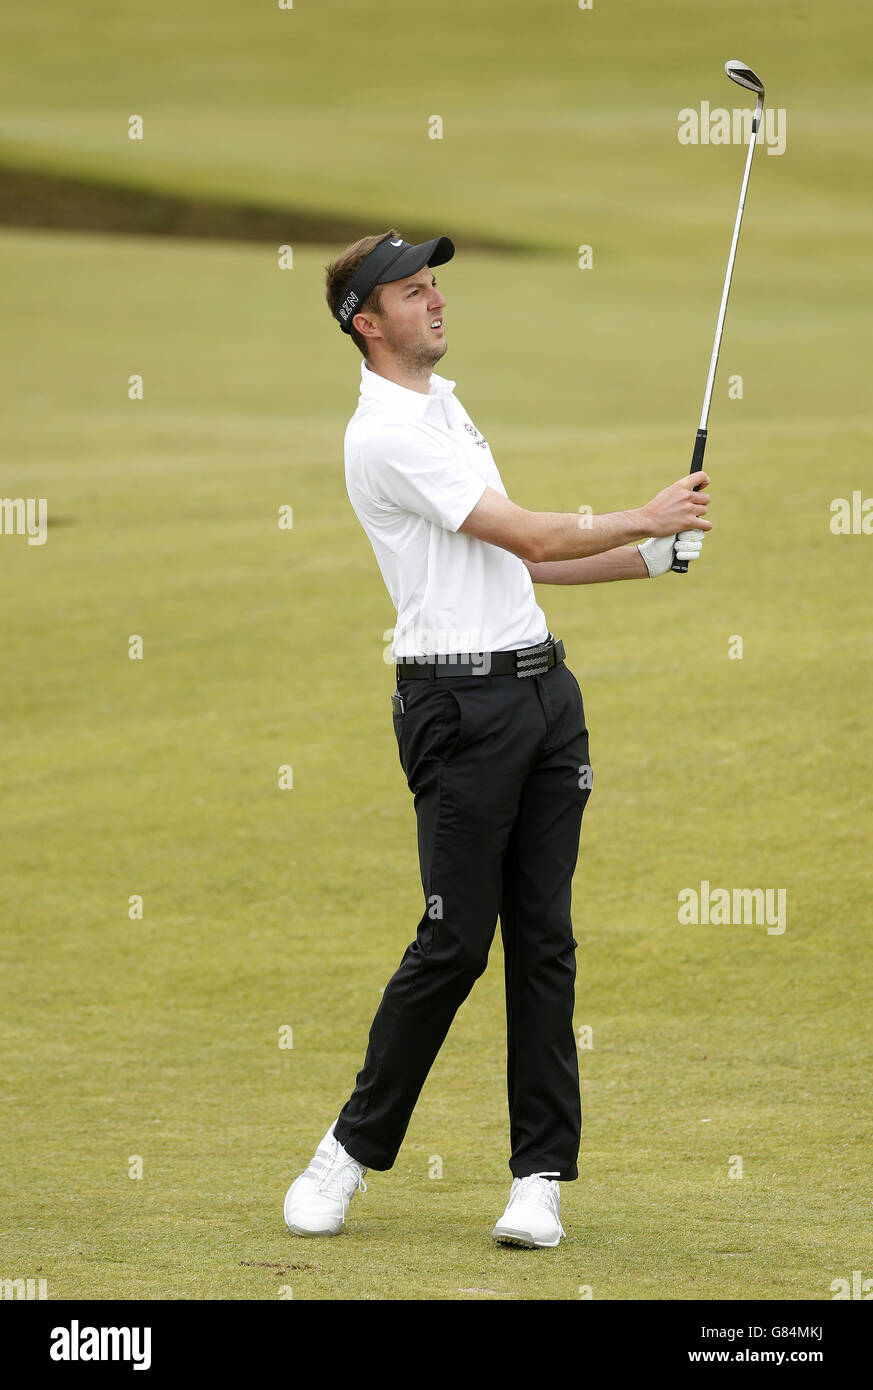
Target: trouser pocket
(427, 725)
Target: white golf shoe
(533, 1213)
(316, 1203)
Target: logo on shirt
(471, 429)
(396, 243)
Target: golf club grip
(681, 566)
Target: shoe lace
(537, 1188)
(341, 1176)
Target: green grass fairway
(263, 908)
(554, 118)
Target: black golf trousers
(500, 771)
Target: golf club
(737, 72)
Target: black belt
(528, 661)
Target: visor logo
(347, 305)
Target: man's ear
(366, 325)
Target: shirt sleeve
(406, 468)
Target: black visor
(392, 259)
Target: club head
(739, 72)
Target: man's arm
(541, 538)
(624, 562)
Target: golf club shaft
(681, 566)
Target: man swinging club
(491, 735)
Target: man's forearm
(568, 536)
(623, 562)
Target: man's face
(411, 322)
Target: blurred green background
(262, 908)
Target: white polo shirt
(415, 468)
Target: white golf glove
(658, 553)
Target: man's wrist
(639, 528)
(640, 565)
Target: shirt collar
(414, 403)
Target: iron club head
(741, 73)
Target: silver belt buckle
(534, 661)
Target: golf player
(491, 736)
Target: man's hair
(340, 272)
